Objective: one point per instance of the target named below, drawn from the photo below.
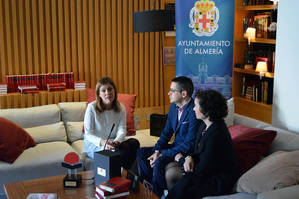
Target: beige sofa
(57, 130)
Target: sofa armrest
(249, 122)
(290, 192)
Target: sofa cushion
(233, 196)
(128, 100)
(13, 140)
(280, 169)
(43, 160)
(48, 133)
(250, 144)
(74, 131)
(72, 111)
(284, 141)
(34, 116)
(290, 192)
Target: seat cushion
(74, 131)
(48, 133)
(34, 116)
(40, 161)
(13, 140)
(276, 171)
(72, 111)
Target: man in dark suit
(181, 123)
(212, 168)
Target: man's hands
(178, 157)
(153, 158)
(189, 164)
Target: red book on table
(104, 192)
(118, 196)
(114, 184)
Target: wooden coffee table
(20, 190)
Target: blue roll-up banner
(204, 43)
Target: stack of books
(56, 86)
(79, 85)
(24, 89)
(3, 88)
(116, 187)
(40, 80)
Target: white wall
(286, 83)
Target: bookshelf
(258, 106)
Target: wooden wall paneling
(30, 102)
(119, 33)
(86, 47)
(56, 61)
(15, 39)
(28, 68)
(63, 96)
(9, 101)
(108, 39)
(61, 36)
(3, 100)
(131, 45)
(8, 33)
(124, 20)
(67, 35)
(80, 54)
(141, 62)
(152, 78)
(36, 99)
(35, 37)
(50, 97)
(74, 38)
(146, 80)
(48, 36)
(160, 68)
(135, 62)
(92, 38)
(43, 98)
(2, 45)
(76, 96)
(69, 96)
(92, 65)
(82, 94)
(97, 57)
(41, 36)
(114, 38)
(103, 41)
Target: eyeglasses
(174, 90)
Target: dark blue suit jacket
(185, 131)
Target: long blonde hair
(100, 107)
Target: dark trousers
(128, 150)
(154, 175)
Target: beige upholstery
(74, 131)
(31, 117)
(72, 111)
(48, 133)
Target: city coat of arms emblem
(204, 18)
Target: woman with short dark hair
(212, 168)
